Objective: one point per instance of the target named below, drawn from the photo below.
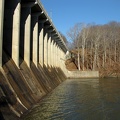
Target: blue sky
(66, 13)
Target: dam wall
(31, 56)
(23, 87)
(82, 74)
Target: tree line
(95, 47)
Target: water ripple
(83, 99)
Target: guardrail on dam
(31, 53)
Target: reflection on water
(80, 99)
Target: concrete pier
(25, 32)
(46, 49)
(1, 28)
(34, 33)
(16, 33)
(41, 44)
(49, 50)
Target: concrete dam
(31, 55)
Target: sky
(66, 13)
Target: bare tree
(98, 46)
(84, 35)
(74, 35)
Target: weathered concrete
(1, 29)
(16, 33)
(35, 39)
(25, 32)
(82, 74)
(49, 50)
(46, 49)
(30, 65)
(29, 85)
(52, 53)
(41, 44)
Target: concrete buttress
(1, 28)
(16, 33)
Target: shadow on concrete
(1, 116)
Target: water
(80, 99)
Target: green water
(80, 99)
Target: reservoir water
(80, 99)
